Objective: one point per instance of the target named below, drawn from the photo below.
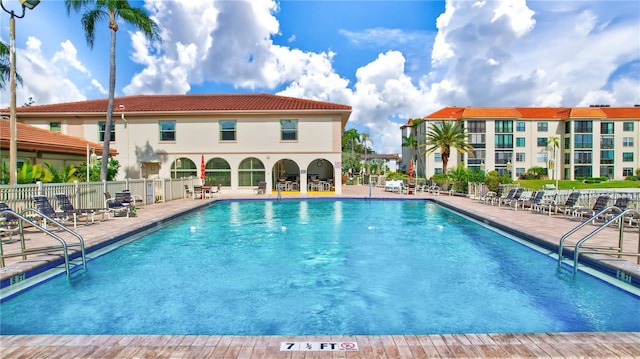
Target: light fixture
(30, 4)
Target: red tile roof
(492, 112)
(31, 138)
(180, 103)
(587, 112)
(537, 112)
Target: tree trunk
(109, 125)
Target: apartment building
(232, 140)
(591, 141)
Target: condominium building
(232, 140)
(591, 141)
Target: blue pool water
(321, 267)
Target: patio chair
(262, 188)
(8, 222)
(524, 198)
(65, 206)
(600, 203)
(44, 206)
(115, 207)
(187, 191)
(568, 207)
(514, 193)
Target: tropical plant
(94, 171)
(444, 136)
(112, 10)
(350, 138)
(554, 143)
(65, 174)
(364, 138)
(29, 173)
(5, 66)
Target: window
(627, 156)
(519, 141)
(543, 126)
(606, 171)
(289, 130)
(101, 127)
(567, 127)
(520, 156)
(520, 171)
(251, 172)
(217, 172)
(183, 167)
(542, 157)
(227, 130)
(504, 126)
(627, 126)
(583, 141)
(55, 126)
(583, 171)
(583, 126)
(606, 157)
(502, 157)
(478, 156)
(437, 157)
(627, 171)
(567, 158)
(504, 141)
(542, 141)
(627, 142)
(476, 127)
(520, 126)
(476, 139)
(606, 128)
(582, 157)
(606, 142)
(567, 143)
(167, 130)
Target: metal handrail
(575, 229)
(64, 246)
(576, 252)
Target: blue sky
(389, 60)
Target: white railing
(92, 194)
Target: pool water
(321, 267)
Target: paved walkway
(544, 229)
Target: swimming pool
(321, 267)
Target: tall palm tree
(5, 66)
(350, 137)
(554, 142)
(444, 136)
(111, 10)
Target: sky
(389, 60)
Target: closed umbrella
(202, 168)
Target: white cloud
(43, 81)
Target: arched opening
(217, 172)
(286, 172)
(251, 172)
(183, 167)
(320, 175)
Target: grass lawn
(563, 184)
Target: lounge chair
(523, 200)
(513, 194)
(115, 207)
(262, 188)
(65, 206)
(8, 222)
(600, 203)
(44, 206)
(622, 203)
(567, 208)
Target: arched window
(183, 167)
(217, 172)
(251, 172)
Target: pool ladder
(24, 251)
(580, 249)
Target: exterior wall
(556, 128)
(137, 139)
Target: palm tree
(445, 135)
(5, 66)
(111, 10)
(349, 138)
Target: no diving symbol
(348, 346)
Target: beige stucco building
(236, 141)
(593, 141)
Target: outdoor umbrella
(202, 168)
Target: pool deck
(541, 228)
